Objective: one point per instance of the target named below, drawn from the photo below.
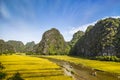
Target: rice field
(112, 67)
(32, 68)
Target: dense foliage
(18, 45)
(76, 37)
(2, 74)
(16, 76)
(29, 47)
(6, 48)
(117, 41)
(13, 46)
(52, 43)
(108, 58)
(100, 40)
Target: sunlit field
(32, 68)
(113, 67)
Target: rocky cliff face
(29, 46)
(6, 48)
(76, 37)
(52, 43)
(100, 39)
(18, 45)
(117, 41)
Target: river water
(80, 72)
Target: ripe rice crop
(32, 68)
(108, 66)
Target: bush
(108, 58)
(29, 53)
(1, 66)
(2, 74)
(72, 72)
(16, 76)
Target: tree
(2, 74)
(16, 76)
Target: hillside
(5, 48)
(52, 43)
(100, 39)
(29, 47)
(18, 45)
(76, 37)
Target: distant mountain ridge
(101, 39)
(18, 45)
(6, 48)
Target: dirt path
(80, 72)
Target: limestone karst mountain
(76, 37)
(52, 43)
(100, 39)
(18, 45)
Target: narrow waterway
(80, 72)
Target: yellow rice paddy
(32, 68)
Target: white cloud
(4, 11)
(82, 28)
(111, 16)
(115, 16)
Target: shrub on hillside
(2, 74)
(29, 53)
(108, 58)
(16, 76)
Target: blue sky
(27, 20)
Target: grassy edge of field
(107, 66)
